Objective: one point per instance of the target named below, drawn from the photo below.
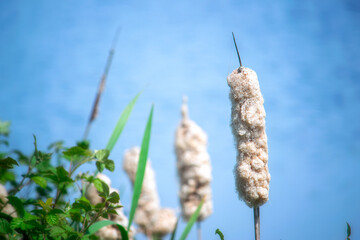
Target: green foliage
(348, 231)
(221, 235)
(98, 225)
(191, 221)
(49, 212)
(4, 128)
(140, 172)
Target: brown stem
(257, 222)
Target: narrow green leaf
(348, 230)
(175, 228)
(140, 172)
(191, 221)
(39, 181)
(98, 225)
(221, 235)
(121, 123)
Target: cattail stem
(257, 222)
(95, 108)
(198, 225)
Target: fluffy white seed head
(149, 202)
(151, 219)
(194, 168)
(248, 127)
(163, 222)
(109, 232)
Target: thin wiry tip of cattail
(237, 50)
(194, 169)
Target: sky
(306, 55)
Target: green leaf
(114, 197)
(85, 144)
(8, 163)
(121, 123)
(175, 228)
(62, 175)
(75, 215)
(98, 225)
(58, 232)
(191, 221)
(52, 219)
(100, 166)
(101, 187)
(17, 204)
(102, 154)
(76, 151)
(348, 230)
(140, 172)
(4, 226)
(82, 203)
(221, 235)
(109, 165)
(4, 128)
(39, 181)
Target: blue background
(306, 54)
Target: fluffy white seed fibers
(149, 216)
(109, 232)
(194, 168)
(248, 127)
(8, 209)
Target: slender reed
(95, 108)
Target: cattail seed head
(109, 232)
(8, 209)
(248, 127)
(151, 219)
(149, 202)
(193, 164)
(163, 222)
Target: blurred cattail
(95, 108)
(109, 232)
(194, 169)
(248, 126)
(7, 209)
(151, 219)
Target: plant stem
(257, 222)
(95, 108)
(198, 224)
